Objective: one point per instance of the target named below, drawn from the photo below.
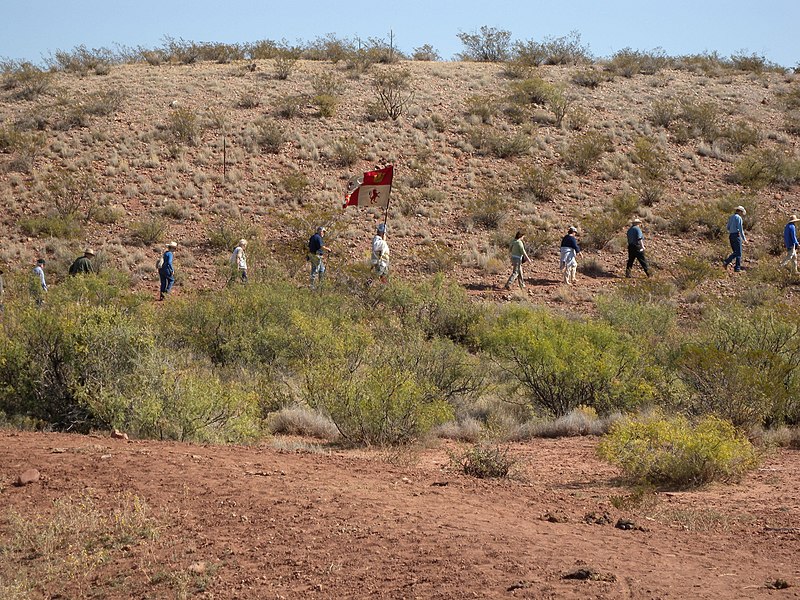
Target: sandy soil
(260, 523)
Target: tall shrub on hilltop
(558, 364)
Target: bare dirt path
(355, 524)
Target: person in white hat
(166, 270)
(790, 242)
(316, 251)
(239, 261)
(736, 236)
(636, 247)
(83, 264)
(568, 255)
(380, 253)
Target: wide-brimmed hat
(636, 221)
(89, 252)
(243, 242)
(572, 229)
(740, 209)
(793, 219)
(172, 245)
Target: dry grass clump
(299, 420)
(484, 462)
(468, 429)
(148, 232)
(578, 422)
(584, 151)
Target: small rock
(520, 585)
(628, 525)
(595, 518)
(778, 584)
(58, 450)
(118, 435)
(440, 483)
(105, 457)
(555, 517)
(198, 568)
(589, 574)
(27, 477)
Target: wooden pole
(224, 158)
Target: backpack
(160, 263)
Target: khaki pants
(569, 273)
(791, 257)
(516, 271)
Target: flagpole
(388, 200)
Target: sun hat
(636, 220)
(572, 229)
(740, 209)
(793, 219)
(172, 245)
(320, 229)
(89, 252)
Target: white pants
(569, 273)
(791, 257)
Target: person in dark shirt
(636, 248)
(166, 270)
(316, 251)
(83, 264)
(569, 251)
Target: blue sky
(32, 29)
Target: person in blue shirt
(568, 255)
(790, 242)
(166, 270)
(636, 248)
(316, 250)
(736, 236)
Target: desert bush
(488, 210)
(82, 60)
(224, 234)
(294, 183)
(539, 181)
(394, 90)
(298, 420)
(601, 226)
(527, 55)
(581, 421)
(566, 50)
(559, 102)
(484, 462)
(51, 225)
(268, 136)
(248, 99)
(346, 151)
(489, 44)
(590, 78)
(741, 135)
(70, 195)
(664, 112)
(709, 63)
(701, 119)
(509, 146)
(482, 106)
(765, 167)
(148, 232)
(291, 106)
(261, 50)
(286, 58)
(25, 80)
(467, 429)
(628, 62)
(743, 365)
(25, 146)
(533, 91)
(560, 364)
(183, 126)
(670, 451)
(426, 52)
(650, 318)
(326, 104)
(651, 164)
(692, 270)
(753, 63)
(791, 122)
(585, 150)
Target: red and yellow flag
(372, 189)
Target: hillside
(139, 150)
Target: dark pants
(166, 282)
(736, 246)
(634, 254)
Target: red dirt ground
(358, 524)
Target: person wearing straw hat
(568, 255)
(239, 261)
(83, 264)
(636, 247)
(166, 270)
(380, 253)
(736, 236)
(790, 242)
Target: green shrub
(346, 151)
(664, 112)
(692, 270)
(741, 135)
(585, 150)
(426, 52)
(26, 80)
(249, 99)
(628, 62)
(590, 78)
(82, 60)
(184, 127)
(52, 225)
(743, 365)
(487, 45)
(701, 119)
(762, 168)
(561, 364)
(294, 183)
(484, 107)
(269, 136)
(326, 104)
(540, 181)
(394, 90)
(670, 451)
(484, 462)
(286, 58)
(226, 233)
(600, 227)
(148, 231)
(291, 106)
(488, 210)
(534, 91)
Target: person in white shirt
(380, 253)
(39, 284)
(239, 261)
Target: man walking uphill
(316, 250)
(736, 236)
(166, 270)
(790, 242)
(636, 248)
(83, 264)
